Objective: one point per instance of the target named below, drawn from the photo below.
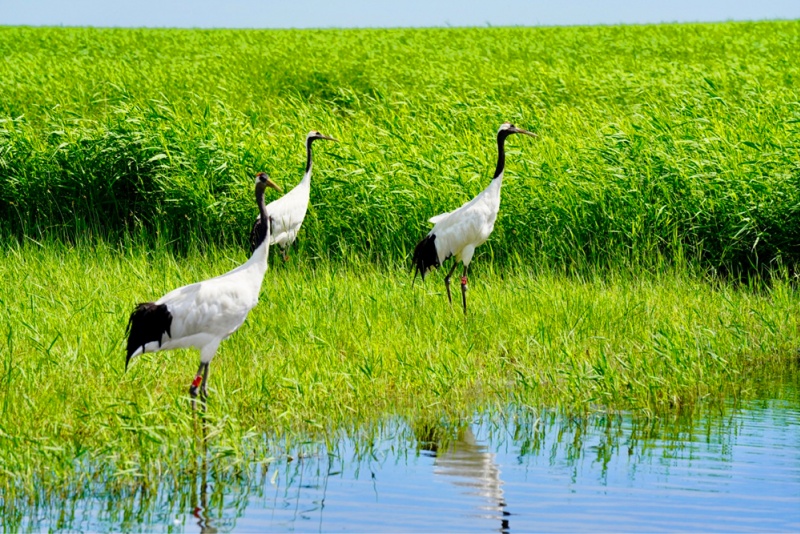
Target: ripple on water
(734, 472)
(738, 471)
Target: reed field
(624, 271)
(655, 142)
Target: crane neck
(501, 154)
(263, 220)
(262, 208)
(308, 157)
(261, 253)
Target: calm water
(517, 471)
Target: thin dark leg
(464, 289)
(285, 251)
(447, 281)
(198, 378)
(203, 388)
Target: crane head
(507, 129)
(313, 135)
(263, 181)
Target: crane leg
(447, 281)
(464, 289)
(204, 387)
(285, 251)
(198, 378)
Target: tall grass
(331, 347)
(126, 159)
(657, 143)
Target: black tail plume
(425, 256)
(148, 322)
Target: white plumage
(457, 233)
(203, 314)
(288, 212)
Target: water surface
(521, 470)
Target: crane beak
(273, 185)
(526, 132)
(328, 138)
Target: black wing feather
(148, 322)
(425, 256)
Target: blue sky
(364, 13)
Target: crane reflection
(467, 464)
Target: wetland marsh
(733, 469)
(640, 280)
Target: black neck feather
(501, 153)
(260, 232)
(308, 152)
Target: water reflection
(469, 465)
(737, 470)
(216, 498)
(201, 509)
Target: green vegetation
(656, 143)
(665, 154)
(330, 347)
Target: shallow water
(516, 471)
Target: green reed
(665, 154)
(330, 346)
(657, 144)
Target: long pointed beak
(329, 138)
(273, 185)
(526, 132)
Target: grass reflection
(291, 485)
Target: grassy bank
(331, 347)
(656, 142)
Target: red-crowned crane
(458, 233)
(287, 213)
(201, 315)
